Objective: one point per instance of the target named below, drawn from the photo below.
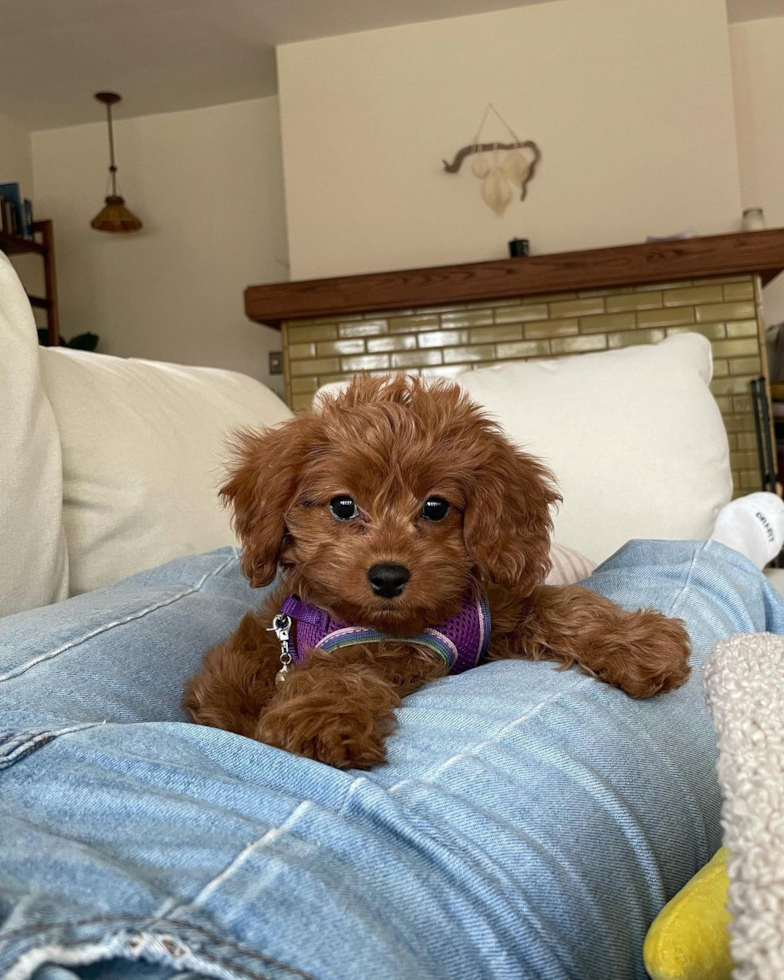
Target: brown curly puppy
(385, 509)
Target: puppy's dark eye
(343, 508)
(435, 509)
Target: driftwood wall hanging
(500, 166)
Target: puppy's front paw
(342, 741)
(340, 719)
(649, 657)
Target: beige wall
(630, 101)
(758, 77)
(207, 184)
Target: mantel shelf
(758, 252)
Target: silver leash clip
(281, 627)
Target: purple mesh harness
(461, 640)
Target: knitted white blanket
(744, 684)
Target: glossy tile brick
(746, 365)
(300, 386)
(725, 311)
(747, 347)
(379, 345)
(693, 295)
(577, 307)
(298, 351)
(634, 301)
(578, 345)
(519, 314)
(743, 328)
(631, 338)
(365, 362)
(442, 338)
(746, 440)
(735, 291)
(466, 318)
(523, 348)
(745, 460)
(301, 403)
(489, 335)
(730, 386)
(608, 322)
(739, 423)
(300, 334)
(328, 347)
(713, 331)
(414, 323)
(747, 480)
(366, 328)
(417, 358)
(543, 329)
(457, 355)
(327, 365)
(670, 317)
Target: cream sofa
(107, 466)
(110, 466)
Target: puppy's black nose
(388, 580)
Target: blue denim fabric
(530, 822)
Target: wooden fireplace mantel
(759, 252)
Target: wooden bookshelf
(42, 245)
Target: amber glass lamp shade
(115, 216)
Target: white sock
(752, 525)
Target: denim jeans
(530, 823)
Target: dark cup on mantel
(518, 248)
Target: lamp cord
(112, 167)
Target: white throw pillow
(33, 562)
(144, 445)
(634, 437)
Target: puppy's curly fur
(391, 444)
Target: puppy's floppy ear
(262, 485)
(507, 521)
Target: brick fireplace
(608, 298)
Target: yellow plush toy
(689, 939)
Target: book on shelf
(27, 204)
(15, 218)
(8, 216)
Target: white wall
(629, 100)
(207, 183)
(758, 77)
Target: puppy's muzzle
(388, 580)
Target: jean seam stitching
(134, 922)
(509, 727)
(105, 627)
(38, 740)
(236, 862)
(697, 551)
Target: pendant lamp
(114, 217)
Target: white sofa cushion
(634, 437)
(34, 564)
(143, 450)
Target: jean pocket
(18, 745)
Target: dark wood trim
(626, 265)
(16, 245)
(46, 231)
